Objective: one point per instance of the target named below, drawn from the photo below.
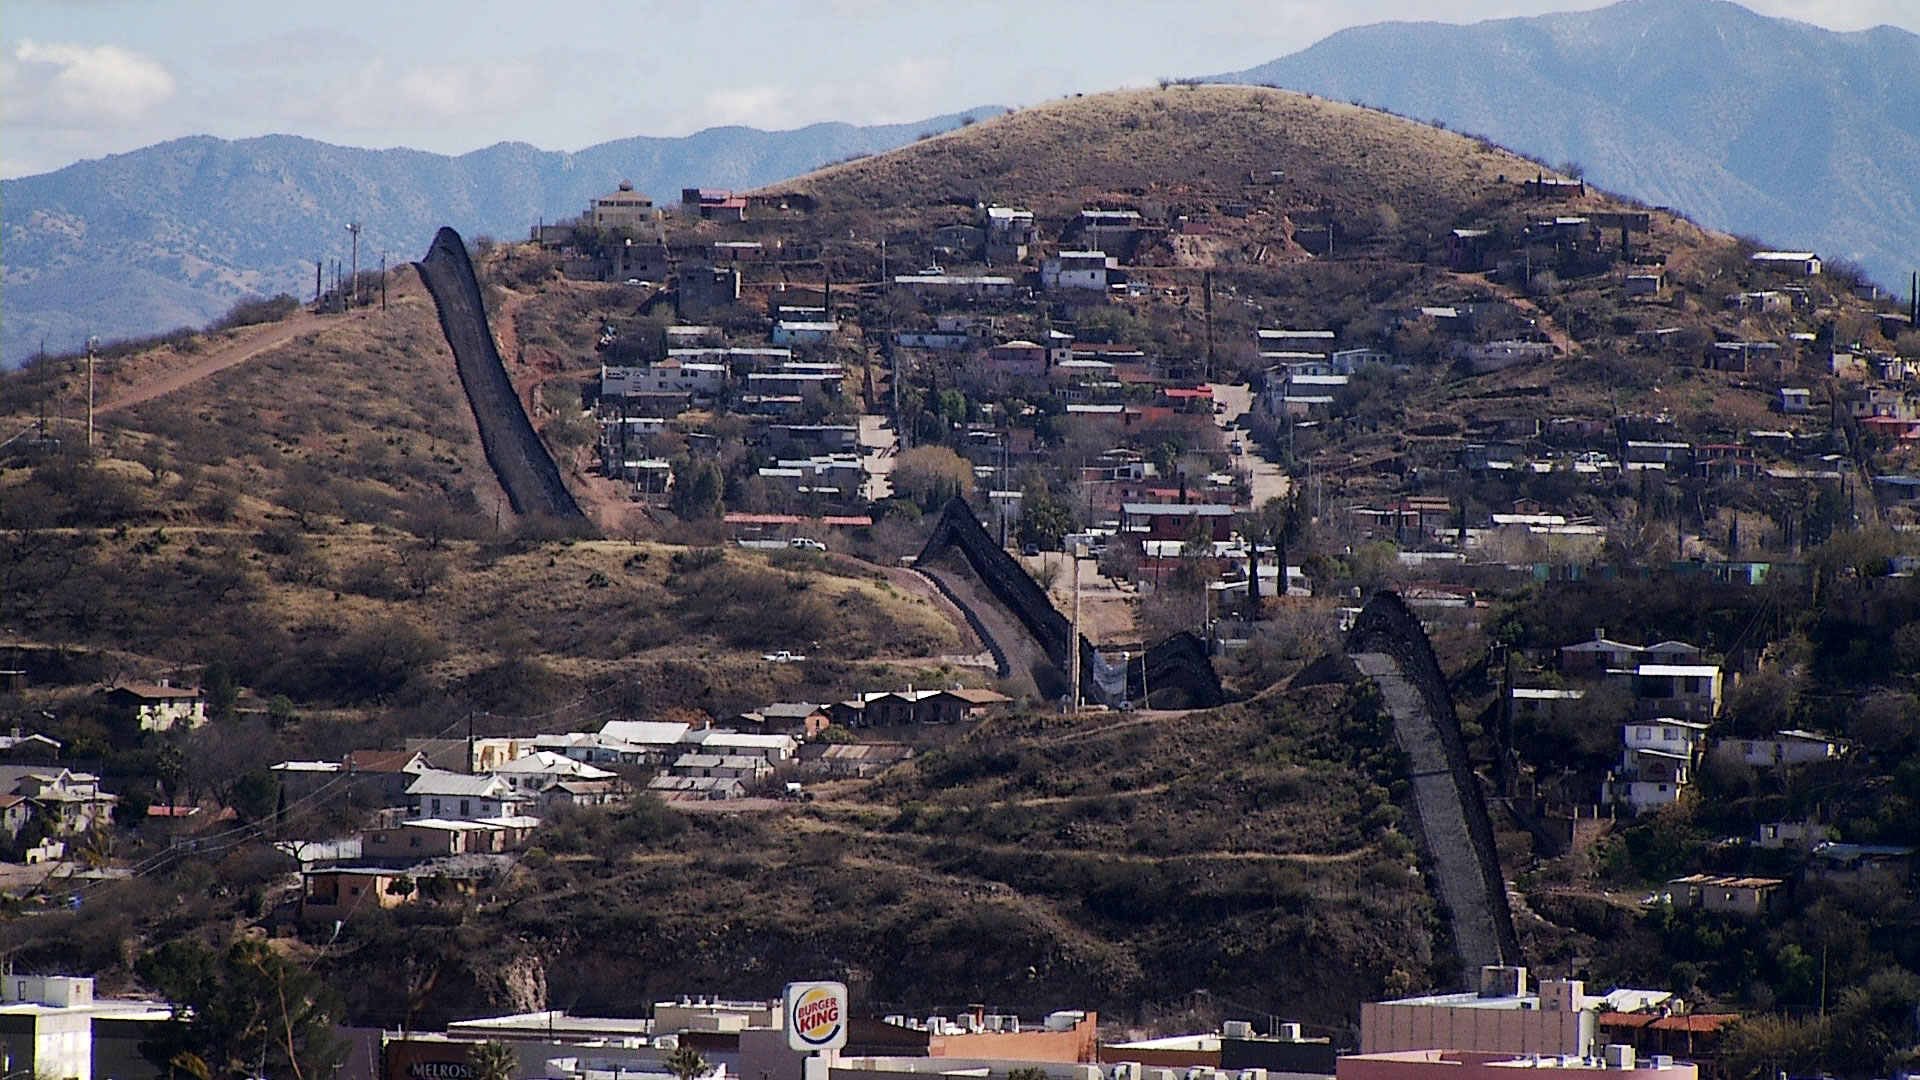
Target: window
(436, 806)
(353, 890)
(413, 841)
(1669, 734)
(464, 811)
(380, 838)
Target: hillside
(175, 233)
(1666, 100)
(311, 517)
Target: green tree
(254, 796)
(1275, 522)
(495, 1061)
(697, 490)
(244, 1011)
(1044, 520)
(686, 1063)
(221, 692)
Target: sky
(86, 78)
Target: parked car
(1030, 549)
(782, 657)
(806, 543)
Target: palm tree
(495, 1061)
(685, 1062)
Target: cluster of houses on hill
(1671, 729)
(451, 810)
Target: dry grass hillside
(1184, 143)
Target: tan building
(1725, 893)
(1500, 1018)
(623, 209)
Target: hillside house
(1010, 232)
(1887, 865)
(1470, 250)
(702, 290)
(1656, 764)
(694, 788)
(433, 838)
(1482, 357)
(1313, 342)
(624, 208)
(1076, 270)
(714, 204)
(774, 747)
(1538, 703)
(1792, 263)
(1176, 521)
(793, 333)
(66, 802)
(1791, 835)
(801, 719)
(959, 286)
(336, 893)
(669, 377)
(540, 770)
(628, 261)
(1782, 749)
(1016, 359)
(465, 797)
(860, 760)
(1748, 897)
(1672, 457)
(1685, 691)
(32, 746)
(1639, 285)
(747, 767)
(1795, 400)
(160, 706)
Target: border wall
(1180, 661)
(519, 459)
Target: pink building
(1616, 1062)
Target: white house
(1687, 691)
(464, 797)
(542, 769)
(787, 332)
(1075, 270)
(774, 748)
(160, 706)
(1779, 750)
(670, 376)
(1802, 263)
(1656, 763)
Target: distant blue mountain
(1801, 136)
(173, 234)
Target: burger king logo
(816, 1016)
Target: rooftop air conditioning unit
(1619, 1056)
(1237, 1029)
(1663, 1061)
(1289, 1031)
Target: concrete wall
(1438, 1065)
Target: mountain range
(1804, 137)
(173, 234)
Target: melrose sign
(816, 1015)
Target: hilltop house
(1687, 691)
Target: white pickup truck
(782, 657)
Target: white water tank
(1618, 1056)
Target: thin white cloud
(62, 86)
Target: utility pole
(317, 267)
(353, 281)
(1206, 285)
(91, 342)
(383, 281)
(1073, 641)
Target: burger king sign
(816, 1015)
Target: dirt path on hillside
(250, 342)
(267, 337)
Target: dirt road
(248, 345)
(1267, 479)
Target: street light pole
(91, 342)
(353, 281)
